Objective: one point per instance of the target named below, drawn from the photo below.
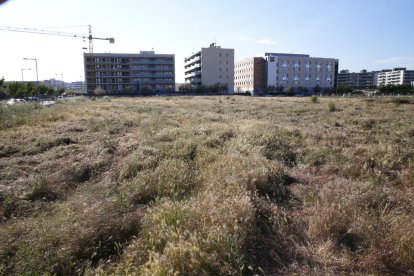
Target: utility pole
(37, 75)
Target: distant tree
(216, 88)
(42, 90)
(16, 89)
(98, 91)
(328, 91)
(316, 89)
(344, 88)
(280, 89)
(302, 90)
(59, 92)
(30, 89)
(144, 89)
(170, 89)
(200, 89)
(223, 88)
(3, 94)
(238, 90)
(290, 91)
(271, 89)
(129, 89)
(185, 88)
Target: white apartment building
(396, 76)
(210, 66)
(295, 70)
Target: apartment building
(210, 66)
(361, 80)
(129, 73)
(250, 75)
(298, 70)
(396, 76)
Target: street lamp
(37, 75)
(24, 69)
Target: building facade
(250, 75)
(78, 86)
(396, 76)
(129, 73)
(297, 70)
(210, 66)
(361, 80)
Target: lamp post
(37, 75)
(24, 69)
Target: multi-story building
(396, 76)
(78, 86)
(361, 80)
(250, 75)
(297, 70)
(55, 84)
(129, 73)
(210, 66)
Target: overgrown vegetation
(208, 186)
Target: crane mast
(89, 36)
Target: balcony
(193, 74)
(145, 62)
(194, 56)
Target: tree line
(16, 89)
(403, 89)
(217, 88)
(391, 89)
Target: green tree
(3, 94)
(345, 88)
(30, 89)
(316, 89)
(328, 91)
(42, 90)
(16, 89)
(200, 89)
(290, 91)
(185, 88)
(129, 89)
(98, 91)
(271, 89)
(59, 92)
(302, 90)
(223, 88)
(216, 88)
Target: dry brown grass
(208, 186)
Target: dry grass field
(208, 186)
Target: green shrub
(314, 99)
(332, 107)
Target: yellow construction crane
(47, 32)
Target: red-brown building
(250, 75)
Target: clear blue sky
(362, 34)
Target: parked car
(16, 101)
(31, 99)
